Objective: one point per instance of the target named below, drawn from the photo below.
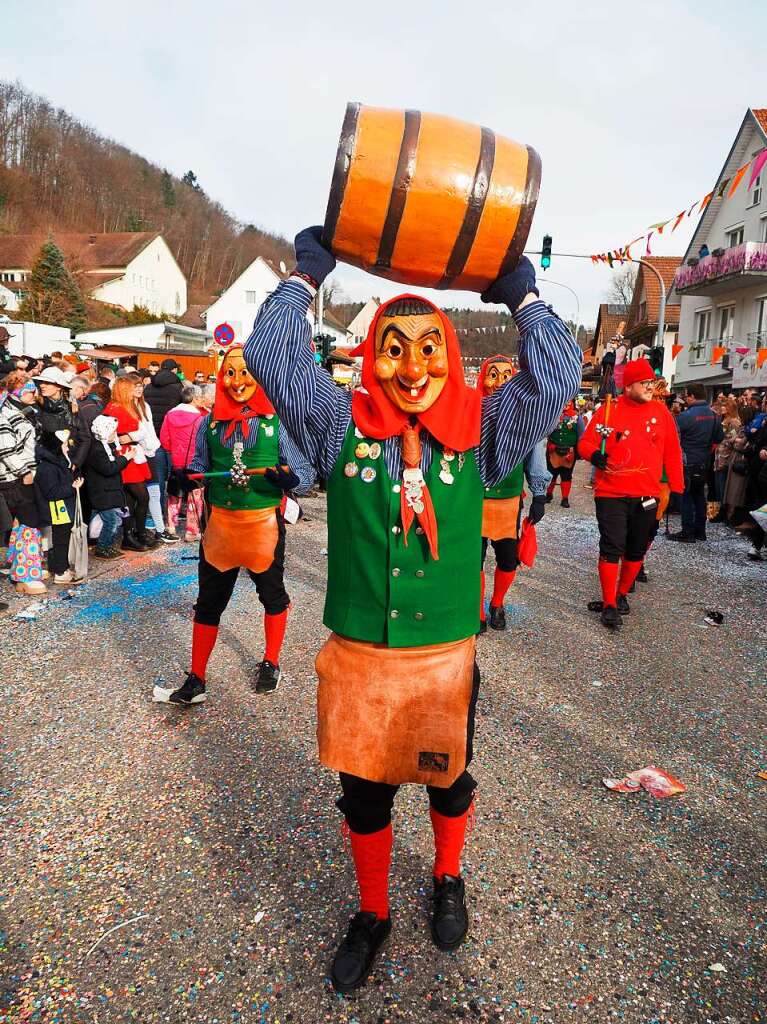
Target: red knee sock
(608, 578)
(449, 837)
(203, 642)
(481, 595)
(274, 628)
(372, 856)
(629, 572)
(503, 581)
(567, 486)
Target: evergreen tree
(53, 295)
(168, 191)
(190, 179)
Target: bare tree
(621, 288)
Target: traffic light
(324, 343)
(546, 252)
(655, 358)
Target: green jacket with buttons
(262, 450)
(382, 590)
(511, 486)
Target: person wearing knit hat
(407, 458)
(630, 445)
(502, 507)
(562, 451)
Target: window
(699, 350)
(761, 319)
(642, 311)
(726, 322)
(734, 237)
(756, 192)
(250, 298)
(763, 229)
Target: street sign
(224, 334)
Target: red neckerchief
(226, 410)
(454, 419)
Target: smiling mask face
(411, 360)
(236, 379)
(499, 372)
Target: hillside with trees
(57, 173)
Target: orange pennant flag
(675, 350)
(705, 201)
(761, 356)
(679, 218)
(716, 354)
(738, 178)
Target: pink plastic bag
(658, 783)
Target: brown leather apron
(395, 714)
(241, 538)
(500, 517)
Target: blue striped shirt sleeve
(524, 411)
(536, 470)
(315, 412)
(292, 455)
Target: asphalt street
(165, 864)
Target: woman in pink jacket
(177, 435)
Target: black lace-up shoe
(192, 692)
(565, 503)
(354, 957)
(611, 617)
(642, 576)
(450, 918)
(623, 605)
(497, 618)
(269, 676)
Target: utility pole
(575, 296)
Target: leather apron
(241, 538)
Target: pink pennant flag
(647, 250)
(756, 167)
(689, 212)
(679, 219)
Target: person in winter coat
(103, 482)
(756, 478)
(150, 443)
(178, 434)
(55, 485)
(17, 473)
(136, 474)
(161, 395)
(56, 411)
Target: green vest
(511, 486)
(261, 449)
(382, 591)
(564, 436)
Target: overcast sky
(632, 106)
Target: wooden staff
(226, 472)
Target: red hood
(225, 408)
(454, 419)
(480, 385)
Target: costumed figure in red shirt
(241, 451)
(630, 452)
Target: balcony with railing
(724, 270)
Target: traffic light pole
(559, 284)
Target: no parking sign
(224, 334)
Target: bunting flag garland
(724, 191)
(675, 350)
(761, 356)
(716, 354)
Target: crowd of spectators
(104, 442)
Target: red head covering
(499, 357)
(454, 418)
(228, 411)
(636, 370)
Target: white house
(358, 329)
(724, 294)
(8, 300)
(126, 269)
(241, 301)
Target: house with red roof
(122, 268)
(721, 284)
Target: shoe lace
(448, 897)
(358, 935)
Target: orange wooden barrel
(428, 200)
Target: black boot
(623, 605)
(354, 957)
(611, 617)
(132, 543)
(565, 503)
(642, 576)
(450, 918)
(497, 618)
(149, 539)
(685, 538)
